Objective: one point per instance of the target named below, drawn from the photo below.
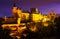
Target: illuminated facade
(25, 15)
(37, 17)
(33, 15)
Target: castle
(19, 15)
(33, 15)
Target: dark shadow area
(50, 32)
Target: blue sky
(44, 6)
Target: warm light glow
(21, 29)
(37, 17)
(18, 21)
(45, 19)
(18, 37)
(19, 12)
(26, 15)
(9, 25)
(5, 18)
(33, 28)
(14, 10)
(12, 34)
(25, 35)
(45, 24)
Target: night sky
(44, 6)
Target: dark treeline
(42, 32)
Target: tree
(57, 21)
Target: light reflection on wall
(37, 17)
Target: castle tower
(34, 10)
(14, 10)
